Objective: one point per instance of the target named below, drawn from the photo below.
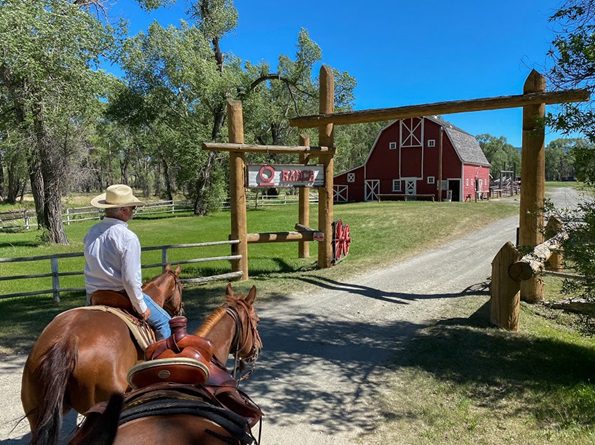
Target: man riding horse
(112, 259)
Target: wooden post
(532, 181)
(552, 228)
(304, 206)
(504, 291)
(163, 257)
(55, 279)
(325, 198)
(235, 126)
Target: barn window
(466, 182)
(350, 177)
(392, 145)
(412, 132)
(431, 179)
(431, 143)
(396, 185)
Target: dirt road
(325, 352)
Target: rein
(241, 338)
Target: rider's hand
(146, 314)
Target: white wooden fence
(26, 218)
(55, 273)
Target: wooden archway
(533, 101)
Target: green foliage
(573, 54)
(579, 250)
(500, 154)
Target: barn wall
(470, 174)
(383, 163)
(356, 189)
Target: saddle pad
(176, 370)
(139, 329)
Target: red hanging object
(341, 240)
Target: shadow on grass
(550, 377)
(391, 297)
(21, 244)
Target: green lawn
(381, 233)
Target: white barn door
(371, 189)
(340, 193)
(410, 186)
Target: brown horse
(153, 417)
(82, 357)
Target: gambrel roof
(466, 146)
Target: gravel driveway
(325, 352)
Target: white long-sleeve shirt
(112, 261)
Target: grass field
(381, 233)
(459, 381)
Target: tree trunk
(167, 179)
(52, 169)
(203, 183)
(1, 178)
(37, 189)
(13, 181)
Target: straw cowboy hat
(117, 195)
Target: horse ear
(229, 290)
(178, 270)
(251, 296)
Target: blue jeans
(159, 319)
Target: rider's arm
(131, 274)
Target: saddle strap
(233, 423)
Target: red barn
(405, 160)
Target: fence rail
(25, 218)
(55, 273)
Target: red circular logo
(266, 175)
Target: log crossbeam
(436, 108)
(533, 263)
(253, 148)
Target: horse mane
(211, 321)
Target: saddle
(112, 298)
(169, 398)
(188, 359)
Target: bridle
(244, 366)
(178, 287)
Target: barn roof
(465, 145)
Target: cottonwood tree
(178, 90)
(271, 98)
(501, 154)
(49, 49)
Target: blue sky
(400, 52)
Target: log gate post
(325, 197)
(532, 181)
(235, 126)
(304, 206)
(504, 291)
